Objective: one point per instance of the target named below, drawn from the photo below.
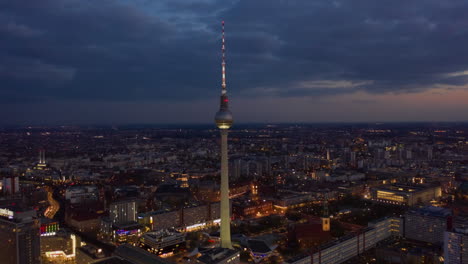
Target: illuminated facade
(126, 233)
(59, 248)
(122, 212)
(406, 195)
(185, 219)
(252, 208)
(293, 201)
(49, 228)
(162, 242)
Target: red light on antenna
(226, 100)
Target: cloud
(163, 51)
(34, 70)
(19, 30)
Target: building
(163, 242)
(299, 259)
(427, 224)
(84, 222)
(88, 253)
(79, 194)
(123, 212)
(129, 232)
(137, 255)
(187, 219)
(59, 248)
(19, 232)
(219, 256)
(292, 201)
(456, 243)
(406, 194)
(401, 254)
(260, 250)
(252, 208)
(111, 260)
(310, 234)
(48, 227)
(10, 185)
(349, 246)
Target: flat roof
(216, 255)
(132, 253)
(432, 211)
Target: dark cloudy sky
(158, 61)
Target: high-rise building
(268, 166)
(455, 242)
(429, 153)
(10, 185)
(122, 212)
(20, 236)
(223, 120)
(236, 168)
(427, 224)
(456, 246)
(409, 154)
(259, 171)
(353, 158)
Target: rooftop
(112, 260)
(258, 246)
(137, 255)
(432, 211)
(216, 255)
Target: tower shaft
(225, 206)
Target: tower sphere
(223, 119)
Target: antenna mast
(223, 64)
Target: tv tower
(223, 120)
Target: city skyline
(121, 62)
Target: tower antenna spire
(223, 63)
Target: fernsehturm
(224, 121)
